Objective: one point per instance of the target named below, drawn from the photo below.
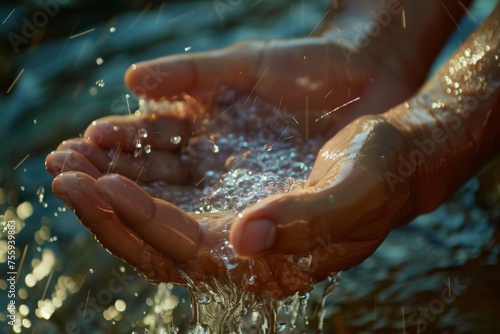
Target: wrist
(404, 36)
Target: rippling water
(439, 274)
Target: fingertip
(130, 76)
(161, 78)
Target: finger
(69, 160)
(153, 166)
(131, 132)
(93, 153)
(78, 191)
(161, 224)
(234, 66)
(290, 73)
(294, 223)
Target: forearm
(405, 34)
(454, 121)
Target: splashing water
(250, 163)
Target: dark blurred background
(61, 66)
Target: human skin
(353, 198)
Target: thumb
(295, 222)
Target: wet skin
(356, 193)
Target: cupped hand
(99, 177)
(310, 75)
(349, 204)
(295, 239)
(334, 223)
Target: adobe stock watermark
(426, 147)
(88, 310)
(421, 318)
(39, 19)
(364, 35)
(223, 6)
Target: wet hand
(347, 208)
(300, 74)
(100, 179)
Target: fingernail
(59, 188)
(256, 237)
(125, 198)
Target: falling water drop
(138, 143)
(175, 139)
(143, 133)
(280, 328)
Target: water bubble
(251, 280)
(147, 148)
(100, 83)
(268, 147)
(143, 133)
(187, 48)
(175, 139)
(91, 270)
(112, 29)
(116, 128)
(99, 61)
(215, 148)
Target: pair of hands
(340, 217)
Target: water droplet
(147, 149)
(175, 139)
(100, 83)
(251, 280)
(187, 48)
(91, 270)
(112, 29)
(116, 128)
(99, 61)
(143, 133)
(204, 298)
(35, 121)
(215, 148)
(280, 328)
(268, 146)
(138, 143)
